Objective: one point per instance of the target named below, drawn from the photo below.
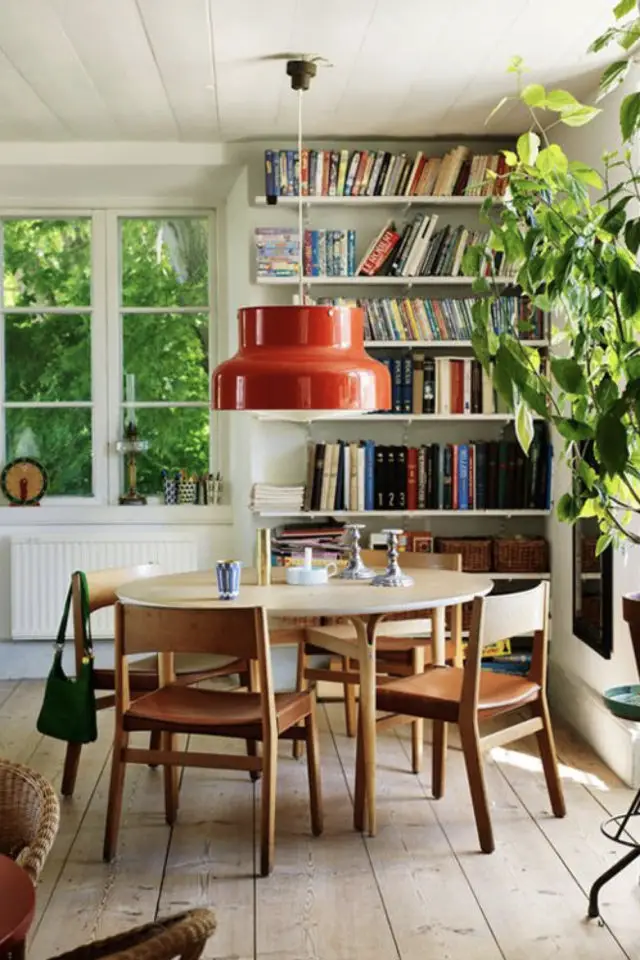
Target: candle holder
(355, 568)
(131, 446)
(393, 575)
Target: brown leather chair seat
(437, 693)
(192, 710)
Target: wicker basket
(476, 552)
(520, 555)
(590, 563)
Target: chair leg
(349, 703)
(417, 727)
(547, 748)
(155, 743)
(70, 771)
(475, 775)
(313, 767)
(170, 782)
(359, 793)
(268, 805)
(114, 805)
(438, 758)
(301, 684)
(253, 750)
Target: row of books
(417, 249)
(452, 476)
(438, 320)
(440, 385)
(329, 253)
(375, 173)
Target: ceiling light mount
(301, 72)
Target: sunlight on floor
(526, 762)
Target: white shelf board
(590, 576)
(398, 418)
(377, 281)
(402, 513)
(386, 201)
(518, 576)
(434, 344)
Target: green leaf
(618, 271)
(580, 116)
(602, 41)
(533, 95)
(630, 115)
(510, 158)
(588, 509)
(631, 35)
(585, 174)
(527, 146)
(623, 7)
(569, 375)
(573, 430)
(471, 261)
(612, 76)
(495, 110)
(524, 426)
(611, 438)
(632, 235)
(481, 285)
(536, 398)
(615, 218)
(603, 543)
(552, 160)
(630, 300)
(568, 508)
(558, 100)
(516, 65)
(606, 393)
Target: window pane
(60, 440)
(165, 262)
(178, 440)
(47, 262)
(47, 357)
(168, 354)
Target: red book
(454, 476)
(412, 478)
(415, 180)
(457, 385)
(304, 173)
(379, 254)
(326, 171)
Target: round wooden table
(17, 905)
(365, 605)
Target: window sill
(84, 514)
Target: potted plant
(575, 257)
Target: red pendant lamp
(302, 357)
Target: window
(85, 300)
(164, 305)
(47, 320)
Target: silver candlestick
(355, 568)
(393, 575)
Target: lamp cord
(301, 293)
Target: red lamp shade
(301, 358)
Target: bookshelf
(396, 201)
(358, 281)
(434, 344)
(343, 514)
(398, 418)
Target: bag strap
(86, 619)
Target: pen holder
(187, 491)
(214, 491)
(170, 491)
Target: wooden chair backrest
(240, 632)
(415, 561)
(500, 617)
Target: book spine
(481, 476)
(380, 252)
(338, 498)
(422, 478)
(362, 468)
(313, 172)
(282, 165)
(407, 383)
(412, 478)
(455, 468)
(317, 476)
(390, 479)
(380, 472)
(292, 186)
(503, 466)
(342, 172)
(472, 476)
(351, 173)
(304, 173)
(429, 399)
(334, 165)
(326, 171)
(396, 385)
(270, 188)
(463, 476)
(369, 475)
(322, 252)
(467, 385)
(447, 467)
(351, 253)
(400, 478)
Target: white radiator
(41, 568)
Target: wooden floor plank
(6, 689)
(431, 907)
(534, 906)
(211, 854)
(18, 715)
(322, 901)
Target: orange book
(362, 166)
(326, 171)
(412, 478)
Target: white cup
(310, 576)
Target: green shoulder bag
(68, 711)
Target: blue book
(369, 463)
(463, 476)
(351, 253)
(315, 254)
(396, 385)
(271, 173)
(407, 383)
(291, 174)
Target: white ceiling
(191, 70)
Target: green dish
(624, 701)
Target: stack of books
(329, 253)
(419, 249)
(379, 173)
(267, 497)
(437, 320)
(442, 385)
(277, 252)
(325, 539)
(493, 475)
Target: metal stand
(615, 828)
(355, 568)
(393, 575)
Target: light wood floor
(419, 890)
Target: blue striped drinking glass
(228, 577)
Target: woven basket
(590, 563)
(520, 555)
(476, 552)
(29, 817)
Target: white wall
(578, 674)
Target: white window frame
(106, 341)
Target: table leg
(366, 633)
(437, 635)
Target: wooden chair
(183, 936)
(403, 645)
(102, 585)
(470, 696)
(172, 708)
